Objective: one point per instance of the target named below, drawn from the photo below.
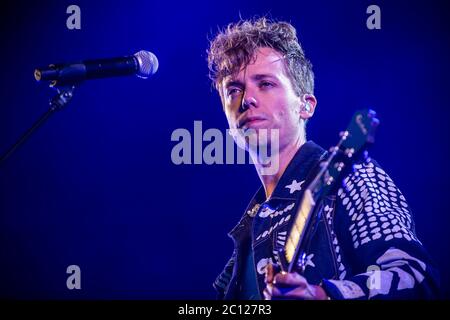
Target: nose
(247, 102)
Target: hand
(290, 286)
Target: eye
(233, 92)
(266, 84)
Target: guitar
(351, 148)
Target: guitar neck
(292, 257)
(318, 189)
(297, 234)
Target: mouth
(249, 122)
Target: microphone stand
(59, 101)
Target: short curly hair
(234, 48)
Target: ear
(309, 103)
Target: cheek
(286, 114)
(231, 110)
(280, 114)
(294, 113)
(231, 118)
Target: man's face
(261, 96)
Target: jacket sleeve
(375, 228)
(223, 279)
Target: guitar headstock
(360, 132)
(352, 146)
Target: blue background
(96, 186)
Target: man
(364, 244)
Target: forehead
(265, 61)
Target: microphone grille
(147, 64)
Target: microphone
(143, 64)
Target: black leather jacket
(363, 245)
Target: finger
(269, 273)
(310, 292)
(267, 292)
(304, 293)
(289, 279)
(276, 291)
(291, 293)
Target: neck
(285, 155)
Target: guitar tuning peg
(330, 180)
(343, 134)
(339, 166)
(334, 149)
(349, 152)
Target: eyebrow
(233, 83)
(256, 77)
(264, 76)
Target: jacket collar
(289, 186)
